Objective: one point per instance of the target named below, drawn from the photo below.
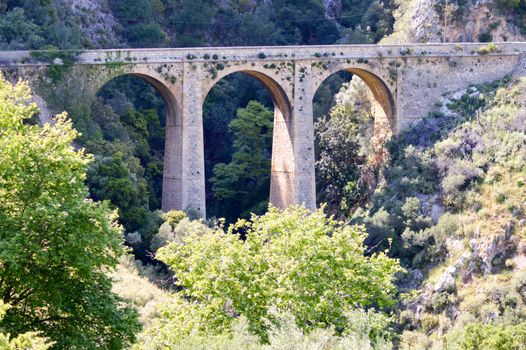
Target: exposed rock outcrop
(423, 21)
(97, 21)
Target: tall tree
(245, 181)
(342, 157)
(56, 246)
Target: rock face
(482, 19)
(97, 21)
(520, 68)
(484, 256)
(332, 8)
(422, 21)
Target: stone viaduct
(407, 82)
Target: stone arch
(282, 163)
(384, 96)
(172, 167)
(278, 93)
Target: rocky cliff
(467, 21)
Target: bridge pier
(172, 175)
(304, 158)
(282, 187)
(193, 163)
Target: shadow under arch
(172, 163)
(282, 162)
(384, 106)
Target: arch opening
(383, 102)
(350, 137)
(139, 167)
(249, 94)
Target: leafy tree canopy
(292, 261)
(56, 246)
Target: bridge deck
(270, 53)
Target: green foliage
(192, 20)
(245, 181)
(437, 165)
(484, 50)
(494, 337)
(285, 334)
(473, 217)
(135, 10)
(17, 31)
(37, 24)
(341, 138)
(147, 35)
(509, 4)
(491, 314)
(60, 61)
(174, 217)
(110, 178)
(286, 22)
(294, 261)
(220, 109)
(168, 233)
(29, 340)
(412, 340)
(55, 245)
(124, 129)
(344, 148)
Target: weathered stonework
(406, 80)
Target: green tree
(191, 20)
(342, 157)
(509, 4)
(17, 32)
(244, 183)
(56, 246)
(147, 35)
(292, 261)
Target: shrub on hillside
(292, 261)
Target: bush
(414, 341)
(293, 261)
(494, 337)
(184, 228)
(284, 334)
(173, 217)
(484, 50)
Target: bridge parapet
(269, 53)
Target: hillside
(460, 21)
(458, 217)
